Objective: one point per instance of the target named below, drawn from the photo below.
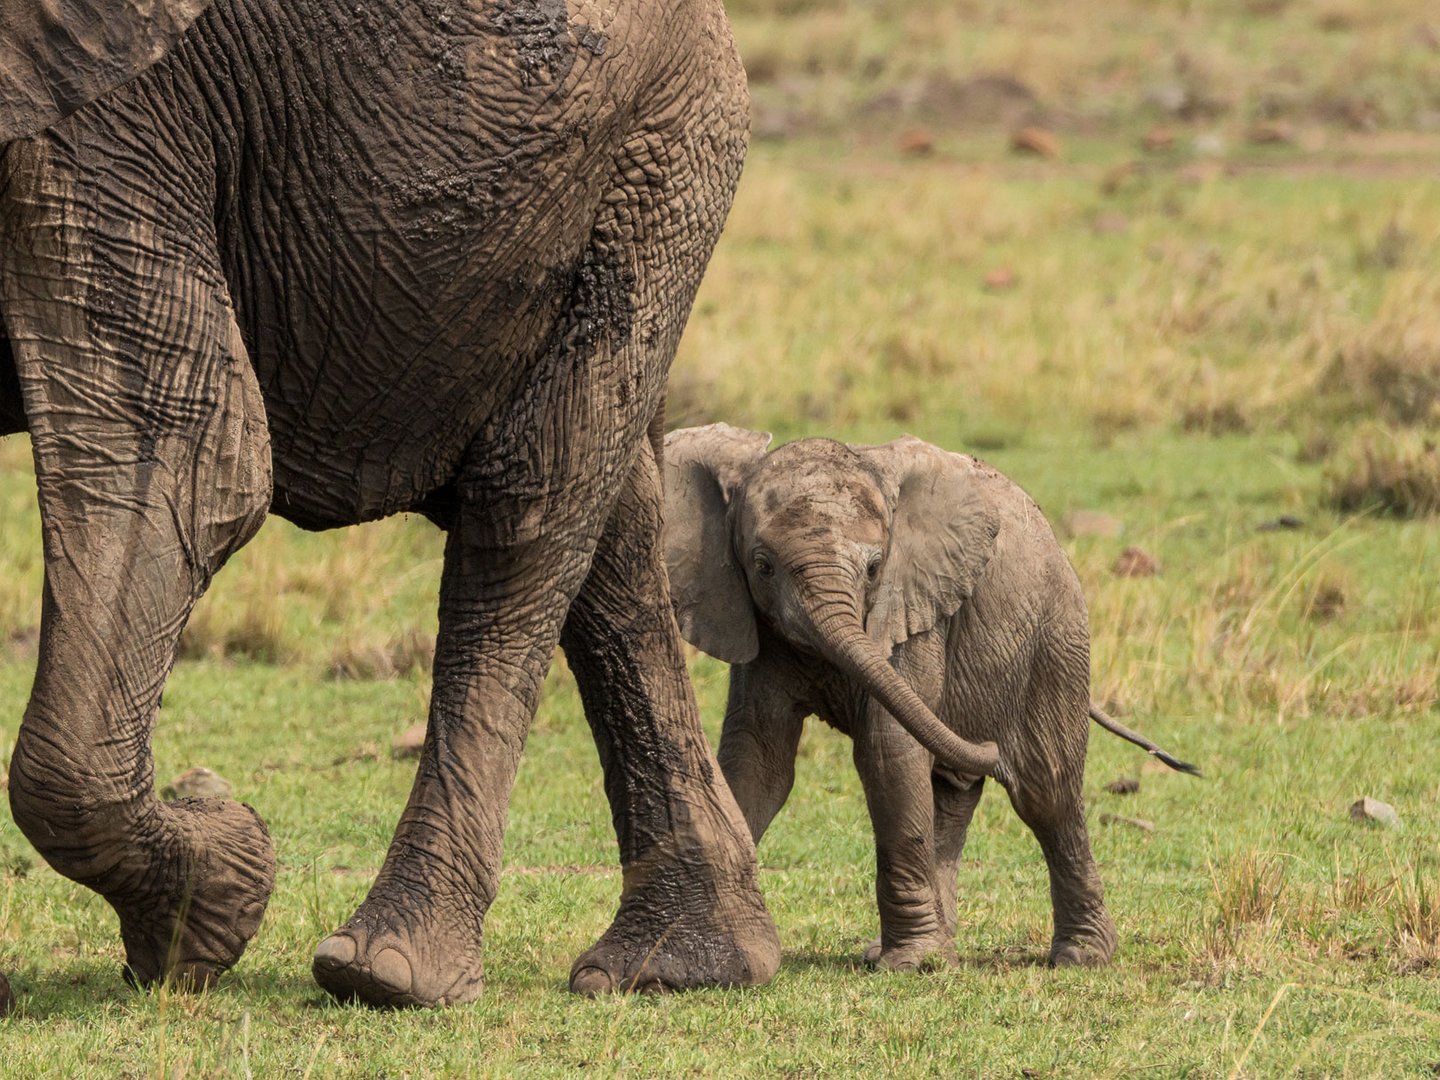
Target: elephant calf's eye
(764, 567)
(872, 568)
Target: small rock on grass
(1373, 810)
(1284, 521)
(1036, 140)
(1092, 523)
(1133, 822)
(1110, 223)
(1000, 279)
(1133, 562)
(409, 742)
(916, 142)
(1270, 134)
(1158, 140)
(1120, 177)
(197, 783)
(366, 751)
(1126, 785)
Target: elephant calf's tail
(1116, 728)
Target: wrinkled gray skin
(342, 260)
(825, 574)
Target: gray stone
(1373, 810)
(197, 783)
(1133, 822)
(409, 742)
(1092, 523)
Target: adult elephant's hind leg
(152, 465)
(690, 913)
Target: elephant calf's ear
(57, 55)
(703, 467)
(942, 536)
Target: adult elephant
(340, 261)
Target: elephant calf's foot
(390, 956)
(215, 871)
(724, 940)
(922, 954)
(1090, 947)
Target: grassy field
(1195, 341)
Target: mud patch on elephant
(542, 36)
(602, 301)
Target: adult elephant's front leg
(512, 564)
(690, 910)
(152, 464)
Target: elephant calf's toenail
(337, 949)
(592, 981)
(392, 969)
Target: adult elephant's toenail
(338, 950)
(592, 981)
(392, 970)
(194, 977)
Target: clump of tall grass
(371, 660)
(1389, 368)
(1246, 910)
(253, 630)
(1392, 471)
(1414, 911)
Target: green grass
(1194, 346)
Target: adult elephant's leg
(690, 910)
(152, 465)
(511, 567)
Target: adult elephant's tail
(54, 58)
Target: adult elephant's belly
(405, 244)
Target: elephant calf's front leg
(759, 741)
(895, 772)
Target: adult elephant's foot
(676, 938)
(207, 891)
(394, 954)
(1092, 946)
(931, 953)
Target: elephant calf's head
(844, 551)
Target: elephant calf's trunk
(846, 645)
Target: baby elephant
(895, 591)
